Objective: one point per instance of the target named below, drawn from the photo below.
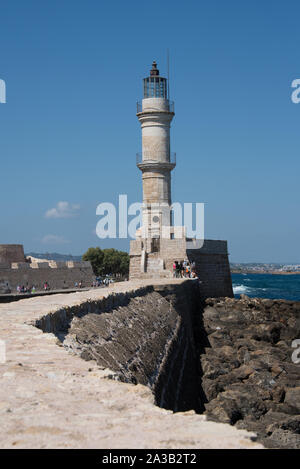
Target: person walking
(177, 269)
(181, 269)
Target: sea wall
(213, 269)
(54, 399)
(231, 359)
(145, 336)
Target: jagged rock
(233, 405)
(249, 379)
(278, 394)
(292, 398)
(281, 420)
(284, 439)
(244, 297)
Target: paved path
(8, 297)
(52, 399)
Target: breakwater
(54, 399)
(145, 336)
(229, 359)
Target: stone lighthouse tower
(156, 161)
(153, 251)
(159, 244)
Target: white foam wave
(238, 289)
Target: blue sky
(69, 133)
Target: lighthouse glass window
(155, 87)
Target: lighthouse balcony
(168, 156)
(156, 159)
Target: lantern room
(154, 85)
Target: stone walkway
(52, 399)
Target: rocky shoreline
(248, 375)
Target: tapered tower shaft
(156, 161)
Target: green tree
(124, 263)
(115, 262)
(107, 261)
(95, 256)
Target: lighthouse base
(154, 258)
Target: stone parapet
(58, 275)
(39, 265)
(211, 246)
(20, 265)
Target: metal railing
(169, 107)
(155, 157)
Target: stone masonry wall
(145, 337)
(212, 263)
(58, 277)
(53, 399)
(213, 269)
(11, 253)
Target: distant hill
(54, 256)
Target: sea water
(272, 286)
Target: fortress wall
(36, 274)
(11, 253)
(173, 250)
(170, 250)
(135, 259)
(212, 263)
(14, 271)
(135, 266)
(213, 270)
(135, 247)
(144, 336)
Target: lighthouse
(159, 244)
(156, 161)
(152, 253)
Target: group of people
(100, 282)
(96, 283)
(184, 269)
(46, 287)
(32, 288)
(26, 289)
